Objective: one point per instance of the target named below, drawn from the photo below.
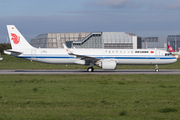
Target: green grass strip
(87, 97)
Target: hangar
(55, 40)
(174, 41)
(106, 40)
(154, 42)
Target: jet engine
(107, 64)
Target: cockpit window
(167, 54)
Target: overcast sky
(146, 18)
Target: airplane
(106, 59)
(1, 58)
(172, 52)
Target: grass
(166, 110)
(84, 97)
(10, 62)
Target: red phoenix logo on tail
(15, 38)
(170, 49)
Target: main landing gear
(156, 68)
(90, 69)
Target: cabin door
(157, 54)
(33, 53)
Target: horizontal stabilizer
(10, 51)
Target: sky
(145, 18)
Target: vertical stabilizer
(170, 49)
(16, 39)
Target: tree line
(4, 46)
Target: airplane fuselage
(175, 53)
(121, 56)
(106, 59)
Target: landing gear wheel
(156, 68)
(90, 69)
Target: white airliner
(106, 59)
(0, 57)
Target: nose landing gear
(156, 68)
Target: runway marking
(97, 71)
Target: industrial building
(106, 40)
(56, 40)
(174, 41)
(154, 42)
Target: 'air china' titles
(141, 51)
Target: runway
(97, 71)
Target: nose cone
(174, 60)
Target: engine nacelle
(108, 65)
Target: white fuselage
(121, 56)
(104, 58)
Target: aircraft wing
(87, 58)
(82, 57)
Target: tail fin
(16, 38)
(170, 49)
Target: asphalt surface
(97, 71)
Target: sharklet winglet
(67, 50)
